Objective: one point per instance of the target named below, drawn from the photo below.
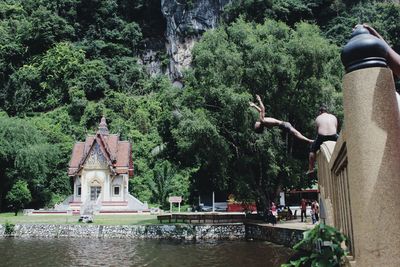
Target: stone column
(107, 187)
(372, 124)
(85, 190)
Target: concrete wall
(232, 231)
(372, 121)
(170, 231)
(277, 235)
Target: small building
(100, 168)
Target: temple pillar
(372, 124)
(107, 188)
(84, 187)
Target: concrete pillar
(85, 190)
(372, 125)
(107, 188)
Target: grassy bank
(69, 219)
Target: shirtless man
(271, 122)
(326, 124)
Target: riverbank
(278, 234)
(161, 231)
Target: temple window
(78, 190)
(116, 190)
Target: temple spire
(103, 126)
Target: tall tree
(25, 155)
(19, 196)
(214, 131)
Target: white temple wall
(77, 192)
(95, 178)
(117, 188)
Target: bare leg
(299, 135)
(270, 122)
(311, 162)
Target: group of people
(326, 125)
(273, 213)
(314, 211)
(325, 122)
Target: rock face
(153, 56)
(186, 21)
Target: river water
(134, 252)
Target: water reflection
(133, 252)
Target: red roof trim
(131, 170)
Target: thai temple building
(100, 168)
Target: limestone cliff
(186, 20)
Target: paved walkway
(292, 224)
(296, 224)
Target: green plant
(164, 59)
(321, 246)
(9, 228)
(19, 195)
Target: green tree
(214, 129)
(45, 28)
(26, 155)
(19, 196)
(92, 79)
(168, 180)
(65, 63)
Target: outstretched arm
(254, 106)
(262, 111)
(392, 57)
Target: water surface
(134, 252)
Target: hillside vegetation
(65, 63)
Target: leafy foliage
(65, 63)
(9, 228)
(19, 195)
(322, 246)
(214, 129)
(26, 155)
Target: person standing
(316, 211)
(313, 212)
(273, 209)
(326, 125)
(303, 207)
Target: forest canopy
(65, 63)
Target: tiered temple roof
(118, 153)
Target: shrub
(321, 246)
(9, 228)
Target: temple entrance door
(95, 192)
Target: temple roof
(118, 154)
